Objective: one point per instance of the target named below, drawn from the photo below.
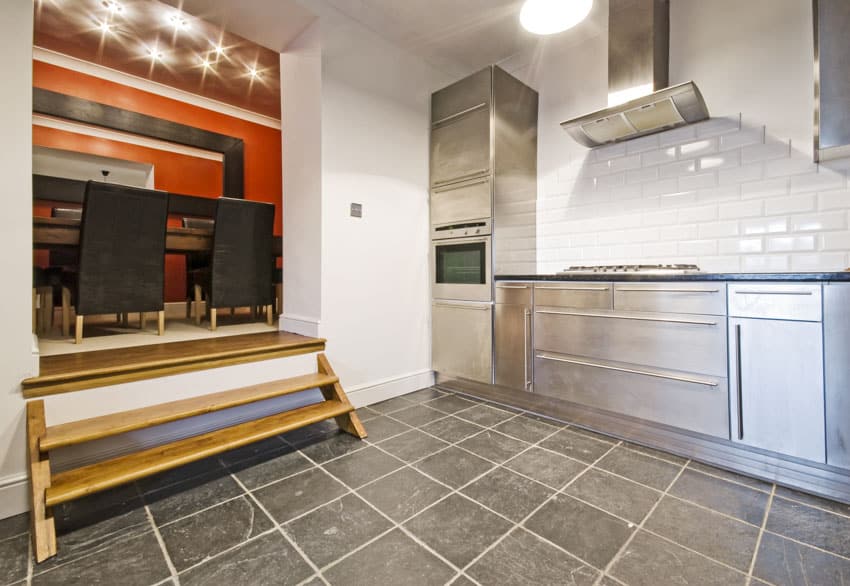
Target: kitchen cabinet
(462, 334)
(512, 335)
(776, 368)
(836, 337)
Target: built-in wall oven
(461, 261)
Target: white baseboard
(14, 495)
(376, 392)
(298, 324)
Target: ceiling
(182, 42)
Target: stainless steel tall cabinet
(483, 190)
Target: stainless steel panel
(513, 342)
(832, 80)
(477, 292)
(836, 340)
(793, 301)
(689, 343)
(516, 293)
(462, 340)
(460, 202)
(694, 298)
(777, 367)
(577, 295)
(670, 397)
(638, 46)
(461, 96)
(460, 148)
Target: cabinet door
(462, 340)
(460, 147)
(777, 392)
(513, 346)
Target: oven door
(460, 269)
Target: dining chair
(240, 274)
(122, 255)
(195, 261)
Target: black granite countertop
(837, 276)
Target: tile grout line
(612, 562)
(161, 543)
(760, 535)
(30, 561)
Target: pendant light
(547, 17)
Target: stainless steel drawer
(462, 340)
(583, 295)
(460, 149)
(697, 298)
(467, 93)
(461, 202)
(791, 301)
(515, 293)
(692, 343)
(670, 397)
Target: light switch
(356, 210)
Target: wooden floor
(73, 372)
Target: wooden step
(77, 432)
(64, 373)
(79, 482)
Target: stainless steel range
(672, 269)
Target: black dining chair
(122, 254)
(240, 274)
(196, 261)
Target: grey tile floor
(446, 490)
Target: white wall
(16, 245)
(731, 194)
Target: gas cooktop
(669, 269)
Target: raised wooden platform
(82, 370)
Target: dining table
(50, 233)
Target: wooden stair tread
(77, 432)
(79, 482)
(83, 370)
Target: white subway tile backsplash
(774, 225)
(738, 175)
(597, 169)
(796, 165)
(660, 218)
(609, 181)
(790, 204)
(642, 144)
(834, 200)
(698, 247)
(698, 148)
(676, 169)
(764, 152)
(822, 181)
(718, 229)
(625, 192)
(836, 241)
(721, 161)
(742, 138)
(718, 194)
(741, 246)
(775, 263)
(697, 214)
(700, 181)
(658, 157)
(625, 163)
(680, 233)
(820, 261)
(766, 188)
(611, 151)
(663, 250)
(720, 125)
(741, 209)
(677, 136)
(662, 187)
(677, 200)
(642, 175)
(790, 243)
(819, 222)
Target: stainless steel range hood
(638, 57)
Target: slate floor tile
(312, 433)
(731, 476)
(180, 500)
(208, 467)
(651, 561)
(418, 415)
(264, 561)
(366, 414)
(507, 493)
(485, 415)
(593, 435)
(251, 451)
(716, 536)
(526, 429)
(458, 528)
(334, 446)
(355, 470)
(729, 498)
(337, 528)
(382, 428)
(134, 562)
(298, 494)
(392, 559)
(786, 563)
(453, 466)
(586, 532)
(639, 467)
(403, 493)
(269, 467)
(809, 525)
(193, 539)
(493, 446)
(14, 552)
(390, 405)
(522, 559)
(12, 526)
(425, 395)
(412, 445)
(814, 501)
(450, 404)
(547, 467)
(617, 496)
(574, 445)
(660, 454)
(452, 429)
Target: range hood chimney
(639, 99)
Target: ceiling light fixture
(155, 54)
(206, 62)
(104, 26)
(219, 50)
(178, 22)
(547, 17)
(113, 6)
(254, 73)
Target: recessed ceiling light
(219, 50)
(178, 22)
(113, 6)
(155, 54)
(104, 26)
(254, 73)
(547, 17)
(206, 62)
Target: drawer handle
(511, 286)
(669, 290)
(739, 384)
(574, 288)
(634, 317)
(459, 114)
(464, 186)
(460, 178)
(774, 292)
(460, 306)
(696, 381)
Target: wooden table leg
(161, 322)
(78, 330)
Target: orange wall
(172, 172)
